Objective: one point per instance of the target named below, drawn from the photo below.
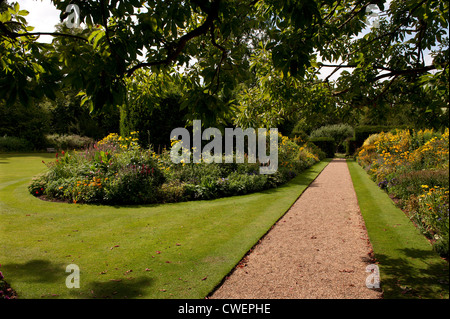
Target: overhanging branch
(177, 47)
(14, 35)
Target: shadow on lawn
(124, 288)
(40, 271)
(401, 279)
(37, 270)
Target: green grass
(409, 268)
(180, 250)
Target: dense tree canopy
(253, 62)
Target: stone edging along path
(318, 250)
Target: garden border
(408, 265)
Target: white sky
(43, 16)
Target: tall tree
(213, 40)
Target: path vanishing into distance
(318, 250)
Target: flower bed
(116, 170)
(413, 166)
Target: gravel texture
(318, 250)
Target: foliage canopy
(261, 57)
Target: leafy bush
(351, 146)
(339, 132)
(363, 132)
(29, 123)
(68, 142)
(14, 144)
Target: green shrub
(326, 144)
(148, 115)
(339, 132)
(30, 123)
(68, 142)
(363, 132)
(351, 146)
(172, 192)
(14, 144)
(440, 246)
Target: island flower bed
(116, 171)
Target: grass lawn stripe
(409, 268)
(180, 250)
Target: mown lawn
(180, 250)
(409, 268)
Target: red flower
(37, 192)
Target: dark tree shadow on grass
(125, 288)
(419, 274)
(37, 270)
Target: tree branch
(332, 11)
(405, 72)
(14, 35)
(175, 48)
(392, 73)
(353, 13)
(224, 56)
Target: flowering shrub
(413, 166)
(116, 170)
(112, 171)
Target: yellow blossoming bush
(405, 163)
(114, 140)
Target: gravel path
(319, 249)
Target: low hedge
(351, 145)
(326, 144)
(14, 144)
